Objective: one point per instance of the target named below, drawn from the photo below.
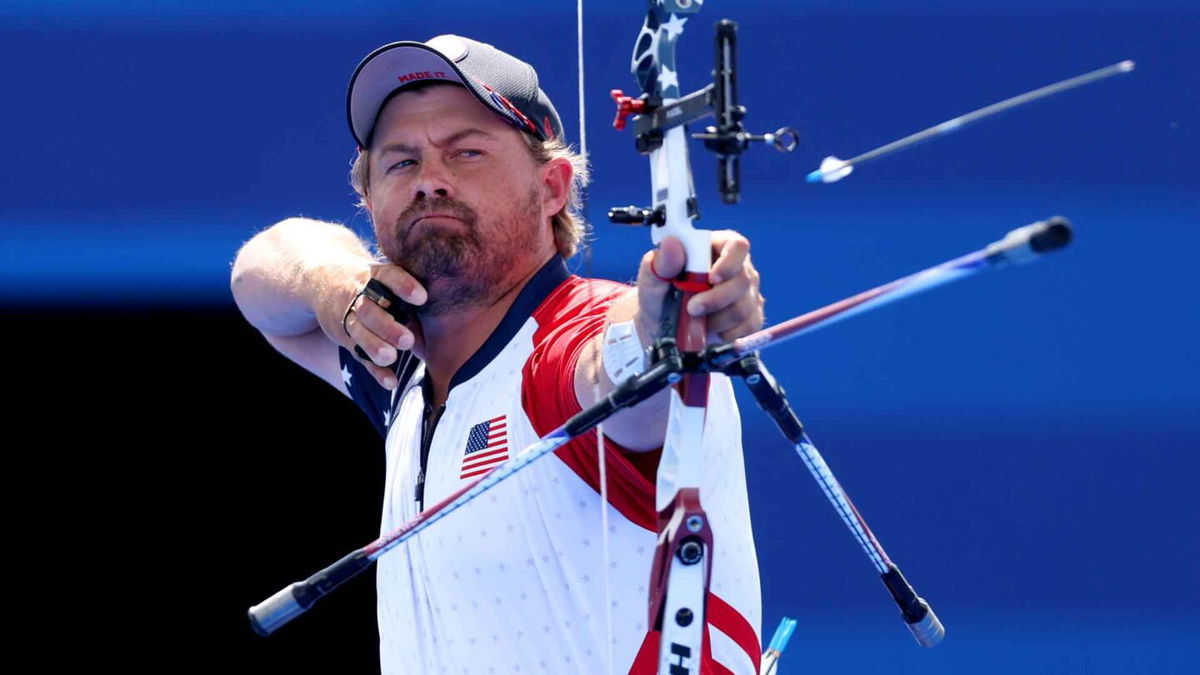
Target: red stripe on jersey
(567, 319)
(723, 617)
(646, 661)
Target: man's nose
(434, 179)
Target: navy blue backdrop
(1024, 444)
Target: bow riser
(682, 566)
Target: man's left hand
(734, 304)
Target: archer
(468, 339)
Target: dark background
(1024, 444)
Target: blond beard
(459, 270)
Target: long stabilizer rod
(1022, 245)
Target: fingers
(668, 260)
(385, 376)
(750, 325)
(740, 318)
(660, 266)
(722, 295)
(400, 282)
(734, 304)
(376, 356)
(654, 278)
(735, 314)
(375, 333)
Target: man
(473, 196)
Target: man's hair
(570, 226)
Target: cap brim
(387, 69)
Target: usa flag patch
(487, 446)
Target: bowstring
(596, 367)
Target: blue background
(1023, 444)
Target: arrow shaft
(989, 110)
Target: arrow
(833, 169)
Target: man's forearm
(641, 427)
(283, 272)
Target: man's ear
(556, 178)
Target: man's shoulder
(372, 398)
(577, 296)
(569, 316)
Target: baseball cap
(500, 81)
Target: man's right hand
(369, 326)
(294, 282)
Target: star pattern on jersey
(346, 376)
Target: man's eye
(402, 164)
(468, 153)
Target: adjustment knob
(626, 106)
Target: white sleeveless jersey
(515, 581)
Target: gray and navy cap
(500, 81)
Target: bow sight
(728, 138)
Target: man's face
(456, 198)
